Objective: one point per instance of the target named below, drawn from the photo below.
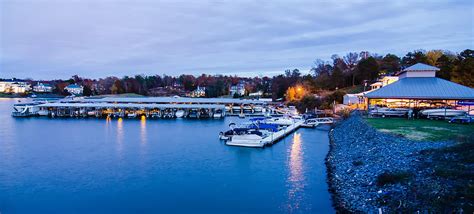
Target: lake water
(166, 166)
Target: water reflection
(143, 136)
(120, 136)
(296, 177)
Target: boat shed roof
(421, 67)
(423, 88)
(173, 100)
(129, 105)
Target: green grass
(422, 129)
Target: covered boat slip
(232, 106)
(131, 109)
(422, 93)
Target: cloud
(57, 39)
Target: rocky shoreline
(370, 171)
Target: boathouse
(418, 87)
(166, 107)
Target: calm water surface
(166, 166)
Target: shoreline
(371, 171)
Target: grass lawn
(423, 129)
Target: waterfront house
(199, 92)
(74, 89)
(238, 89)
(383, 82)
(14, 86)
(43, 88)
(418, 87)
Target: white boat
(155, 114)
(258, 108)
(25, 110)
(389, 112)
(246, 140)
(218, 114)
(43, 112)
(282, 121)
(435, 113)
(131, 115)
(313, 122)
(179, 113)
(292, 110)
(91, 113)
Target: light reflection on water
(120, 137)
(296, 177)
(143, 139)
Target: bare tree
(351, 60)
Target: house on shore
(238, 89)
(199, 92)
(43, 88)
(14, 86)
(74, 89)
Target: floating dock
(276, 136)
(270, 139)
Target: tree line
(340, 73)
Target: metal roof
(73, 86)
(173, 100)
(421, 67)
(129, 105)
(423, 88)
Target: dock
(153, 107)
(269, 139)
(276, 136)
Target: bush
(345, 113)
(392, 178)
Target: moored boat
(25, 110)
(180, 113)
(442, 113)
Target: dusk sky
(57, 39)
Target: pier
(276, 136)
(259, 142)
(252, 140)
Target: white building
(238, 89)
(14, 86)
(43, 88)
(74, 89)
(199, 92)
(383, 82)
(256, 94)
